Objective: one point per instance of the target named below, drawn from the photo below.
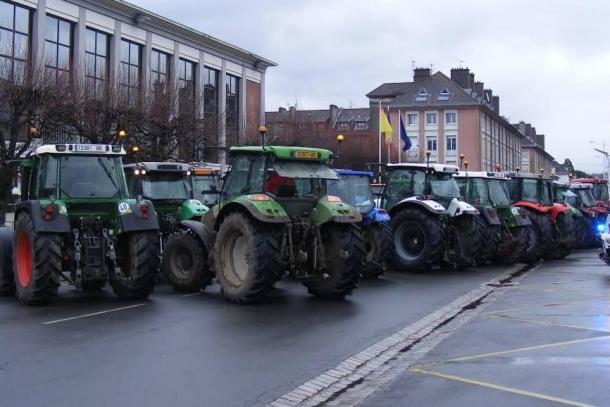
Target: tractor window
(165, 185)
(48, 177)
(600, 192)
(402, 184)
(479, 192)
(587, 197)
(530, 190)
(246, 176)
(354, 190)
(91, 177)
(443, 185)
(132, 183)
(498, 192)
(462, 182)
(547, 194)
(203, 183)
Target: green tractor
(274, 216)
(506, 229)
(202, 181)
(76, 223)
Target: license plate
(306, 154)
(88, 148)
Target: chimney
(420, 73)
(471, 83)
(528, 132)
(496, 104)
(478, 88)
(461, 76)
(540, 140)
(333, 114)
(488, 96)
(282, 110)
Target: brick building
(448, 116)
(113, 44)
(533, 155)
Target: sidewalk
(544, 342)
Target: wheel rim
(235, 259)
(24, 259)
(181, 262)
(410, 240)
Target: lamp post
(605, 158)
(340, 139)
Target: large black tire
(379, 247)
(580, 232)
(7, 276)
(518, 246)
(138, 259)
(246, 258)
(489, 240)
(418, 240)
(548, 239)
(565, 225)
(470, 237)
(532, 250)
(37, 262)
(344, 250)
(185, 262)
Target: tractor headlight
(601, 228)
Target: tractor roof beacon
(432, 226)
(76, 222)
(354, 188)
(507, 237)
(274, 216)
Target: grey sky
(549, 61)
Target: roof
(436, 167)
(315, 116)
(157, 22)
(80, 149)
(353, 172)
(388, 90)
(591, 180)
(539, 148)
(356, 114)
(480, 174)
(286, 152)
(160, 166)
(528, 175)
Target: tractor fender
(491, 216)
(426, 204)
(133, 220)
(263, 211)
(338, 212)
(202, 231)
(520, 216)
(557, 209)
(459, 208)
(536, 207)
(59, 222)
(376, 215)
(6, 247)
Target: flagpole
(399, 133)
(379, 128)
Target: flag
(404, 136)
(385, 127)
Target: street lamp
(605, 159)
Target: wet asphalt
(199, 350)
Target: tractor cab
(599, 190)
(354, 188)
(204, 184)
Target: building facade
(449, 116)
(533, 155)
(110, 43)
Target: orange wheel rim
(24, 259)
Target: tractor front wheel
(344, 252)
(37, 262)
(7, 276)
(138, 259)
(379, 245)
(418, 240)
(185, 263)
(246, 258)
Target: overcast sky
(549, 61)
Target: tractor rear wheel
(580, 232)
(565, 224)
(547, 239)
(37, 262)
(185, 263)
(532, 245)
(418, 240)
(470, 240)
(246, 258)
(379, 245)
(344, 251)
(138, 259)
(489, 240)
(7, 276)
(518, 244)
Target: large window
(14, 41)
(159, 71)
(210, 106)
(96, 62)
(451, 145)
(431, 118)
(186, 85)
(57, 49)
(232, 122)
(129, 78)
(412, 119)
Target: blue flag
(403, 136)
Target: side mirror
(213, 188)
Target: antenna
(431, 68)
(461, 61)
(412, 64)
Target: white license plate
(88, 148)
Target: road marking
(93, 314)
(500, 387)
(524, 349)
(191, 294)
(533, 321)
(501, 311)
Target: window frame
(428, 122)
(156, 74)
(95, 78)
(56, 42)
(126, 85)
(11, 57)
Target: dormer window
(444, 94)
(422, 95)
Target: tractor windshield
(201, 185)
(165, 185)
(354, 190)
(600, 192)
(498, 192)
(530, 190)
(402, 184)
(587, 197)
(89, 176)
(443, 185)
(547, 193)
(478, 192)
(303, 170)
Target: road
(198, 349)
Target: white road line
(191, 294)
(57, 321)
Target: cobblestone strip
(356, 368)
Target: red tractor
(552, 222)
